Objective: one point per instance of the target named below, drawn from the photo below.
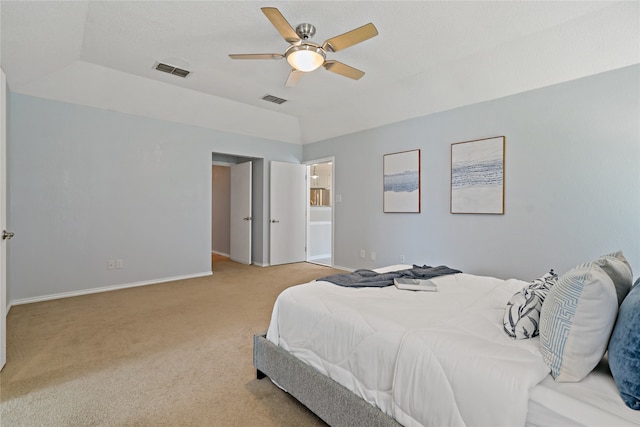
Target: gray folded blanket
(369, 278)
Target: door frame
(309, 163)
(3, 219)
(219, 158)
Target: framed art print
(477, 176)
(401, 182)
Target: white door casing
(288, 209)
(3, 219)
(240, 215)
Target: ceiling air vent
(274, 99)
(172, 70)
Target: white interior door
(3, 221)
(288, 209)
(240, 215)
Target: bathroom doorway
(320, 215)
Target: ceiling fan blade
(343, 69)
(256, 56)
(281, 24)
(350, 38)
(294, 76)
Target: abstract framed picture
(401, 181)
(477, 176)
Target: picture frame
(477, 176)
(401, 182)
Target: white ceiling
(430, 56)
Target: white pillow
(576, 322)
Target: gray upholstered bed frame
(330, 401)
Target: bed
(381, 356)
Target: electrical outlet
(111, 264)
(119, 264)
(373, 256)
(402, 259)
(363, 253)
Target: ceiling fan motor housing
(305, 31)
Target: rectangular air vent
(166, 68)
(274, 99)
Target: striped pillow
(576, 321)
(522, 315)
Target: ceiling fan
(305, 56)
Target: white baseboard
(104, 289)
(220, 253)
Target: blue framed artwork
(401, 182)
(477, 176)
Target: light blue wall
(87, 185)
(572, 187)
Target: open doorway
(232, 215)
(320, 212)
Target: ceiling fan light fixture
(305, 57)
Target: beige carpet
(172, 354)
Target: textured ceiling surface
(429, 56)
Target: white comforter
(425, 358)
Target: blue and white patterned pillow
(522, 315)
(576, 321)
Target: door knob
(273, 221)
(248, 218)
(6, 235)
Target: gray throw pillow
(618, 269)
